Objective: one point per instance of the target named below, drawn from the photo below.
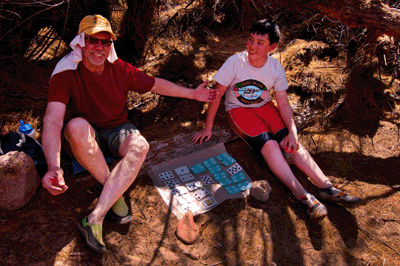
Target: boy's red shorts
(258, 125)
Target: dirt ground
(237, 232)
(362, 159)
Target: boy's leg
(303, 160)
(245, 122)
(278, 165)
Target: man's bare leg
(133, 151)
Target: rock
(187, 230)
(19, 180)
(260, 190)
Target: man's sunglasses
(94, 41)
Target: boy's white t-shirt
(249, 86)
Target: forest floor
(362, 159)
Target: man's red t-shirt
(100, 99)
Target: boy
(247, 79)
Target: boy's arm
(291, 141)
(53, 180)
(167, 88)
(206, 133)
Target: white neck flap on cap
(72, 59)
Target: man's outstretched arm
(167, 88)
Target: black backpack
(16, 141)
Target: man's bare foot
(187, 230)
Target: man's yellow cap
(93, 24)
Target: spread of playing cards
(200, 181)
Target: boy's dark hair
(266, 26)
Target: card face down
(198, 169)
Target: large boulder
(19, 180)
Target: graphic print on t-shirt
(250, 91)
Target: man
(89, 90)
(247, 79)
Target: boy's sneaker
(333, 194)
(315, 209)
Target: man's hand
(53, 181)
(203, 94)
(204, 134)
(291, 143)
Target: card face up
(194, 185)
(206, 179)
(190, 206)
(187, 177)
(179, 190)
(172, 183)
(164, 176)
(182, 170)
(208, 202)
(184, 199)
(198, 169)
(234, 169)
(200, 193)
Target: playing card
(179, 190)
(200, 193)
(190, 206)
(215, 169)
(232, 189)
(164, 176)
(182, 170)
(206, 179)
(225, 159)
(186, 177)
(184, 199)
(172, 183)
(198, 169)
(220, 176)
(225, 182)
(244, 185)
(208, 202)
(234, 169)
(194, 185)
(188, 197)
(210, 162)
(238, 177)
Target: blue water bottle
(27, 129)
